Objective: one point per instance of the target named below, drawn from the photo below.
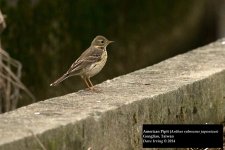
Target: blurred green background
(46, 36)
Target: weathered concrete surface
(188, 88)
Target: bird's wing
(88, 57)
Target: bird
(90, 62)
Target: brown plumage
(89, 63)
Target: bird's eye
(102, 41)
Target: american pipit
(89, 63)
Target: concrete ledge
(188, 88)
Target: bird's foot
(94, 89)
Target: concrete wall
(188, 88)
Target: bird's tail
(62, 78)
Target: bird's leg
(89, 84)
(86, 82)
(89, 81)
(92, 86)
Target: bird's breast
(97, 66)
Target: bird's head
(100, 41)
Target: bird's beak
(110, 42)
